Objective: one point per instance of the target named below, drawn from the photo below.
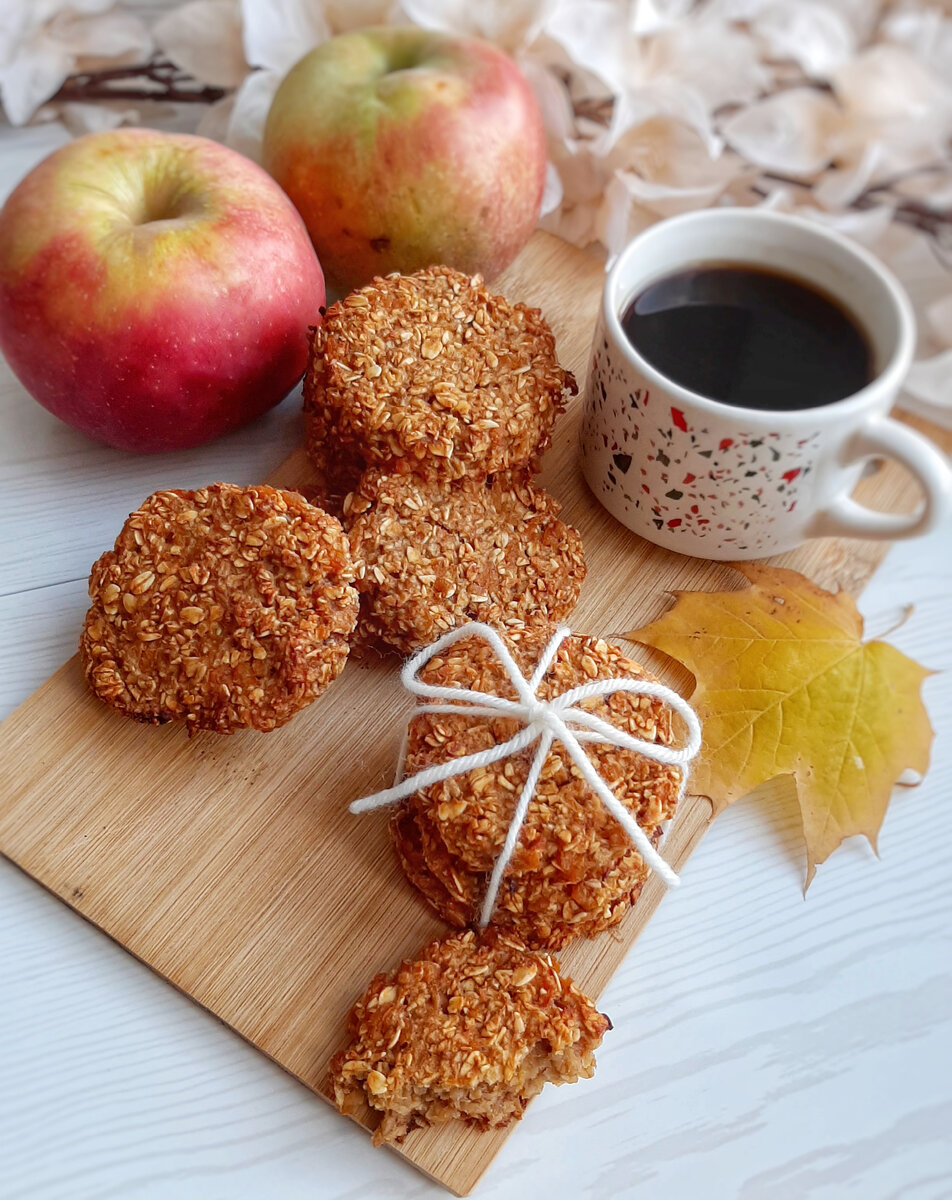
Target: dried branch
(157, 79)
(936, 223)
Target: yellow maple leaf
(785, 685)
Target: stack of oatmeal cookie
(428, 403)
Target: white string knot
(543, 721)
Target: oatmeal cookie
(448, 899)
(227, 608)
(432, 554)
(574, 870)
(335, 473)
(432, 373)
(473, 1028)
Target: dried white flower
(204, 37)
(80, 118)
(279, 32)
(814, 34)
(43, 42)
(250, 111)
(719, 61)
(510, 24)
(927, 390)
(792, 132)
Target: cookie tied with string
(470, 1029)
(574, 868)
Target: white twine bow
(544, 721)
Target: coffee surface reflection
(750, 337)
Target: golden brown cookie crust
(472, 1028)
(432, 554)
(574, 870)
(335, 473)
(433, 373)
(227, 607)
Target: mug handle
(883, 437)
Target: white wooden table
(765, 1048)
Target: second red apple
(155, 289)
(402, 148)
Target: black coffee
(751, 337)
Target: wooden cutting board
(231, 865)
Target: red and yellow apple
(155, 289)
(402, 148)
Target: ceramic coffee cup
(717, 481)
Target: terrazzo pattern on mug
(671, 469)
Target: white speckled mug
(721, 482)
